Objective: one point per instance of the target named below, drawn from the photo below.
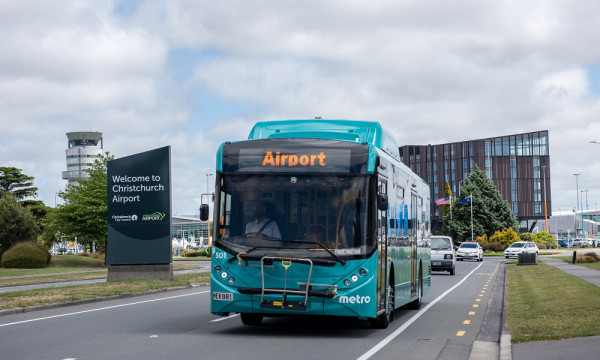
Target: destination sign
(294, 155)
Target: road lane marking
(461, 333)
(471, 313)
(467, 322)
(225, 318)
(104, 308)
(409, 322)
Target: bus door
(382, 249)
(414, 228)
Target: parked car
(519, 247)
(469, 250)
(566, 243)
(580, 243)
(443, 257)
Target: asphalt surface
(487, 342)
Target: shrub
(584, 259)
(482, 240)
(44, 251)
(543, 238)
(592, 255)
(505, 237)
(97, 255)
(193, 253)
(494, 247)
(25, 255)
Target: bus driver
(261, 224)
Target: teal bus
(318, 217)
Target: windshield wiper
(337, 258)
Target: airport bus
(318, 217)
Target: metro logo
(356, 299)
(292, 160)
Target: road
(178, 325)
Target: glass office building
(519, 166)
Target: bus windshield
(309, 216)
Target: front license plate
(436, 263)
(222, 296)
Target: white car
(519, 247)
(443, 257)
(469, 250)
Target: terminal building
(189, 231)
(570, 225)
(83, 148)
(519, 166)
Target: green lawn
(71, 267)
(545, 303)
(24, 299)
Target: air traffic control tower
(83, 148)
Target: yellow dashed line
(460, 333)
(477, 299)
(471, 313)
(475, 305)
(466, 322)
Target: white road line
(401, 329)
(104, 308)
(225, 318)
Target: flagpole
(471, 216)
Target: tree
(17, 223)
(83, 214)
(12, 180)
(490, 212)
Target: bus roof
(369, 132)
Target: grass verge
(568, 259)
(545, 303)
(25, 299)
(47, 277)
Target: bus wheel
(251, 319)
(383, 320)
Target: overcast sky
(192, 74)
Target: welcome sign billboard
(139, 208)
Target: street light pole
(586, 202)
(577, 187)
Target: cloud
(192, 74)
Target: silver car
(469, 250)
(443, 257)
(519, 247)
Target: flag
(443, 201)
(465, 200)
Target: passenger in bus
(261, 224)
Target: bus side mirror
(382, 202)
(204, 212)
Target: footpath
(575, 348)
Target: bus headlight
(224, 274)
(354, 277)
(217, 269)
(231, 280)
(362, 272)
(347, 282)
